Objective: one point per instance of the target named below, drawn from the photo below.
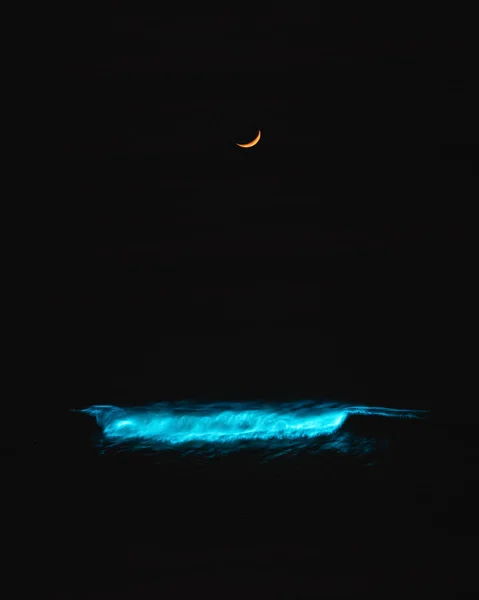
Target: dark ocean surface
(357, 512)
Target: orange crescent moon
(251, 144)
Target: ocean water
(345, 458)
(173, 493)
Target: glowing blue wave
(189, 422)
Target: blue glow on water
(168, 425)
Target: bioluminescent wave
(168, 425)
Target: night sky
(321, 262)
(187, 255)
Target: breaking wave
(226, 426)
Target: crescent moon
(251, 144)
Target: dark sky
(308, 264)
